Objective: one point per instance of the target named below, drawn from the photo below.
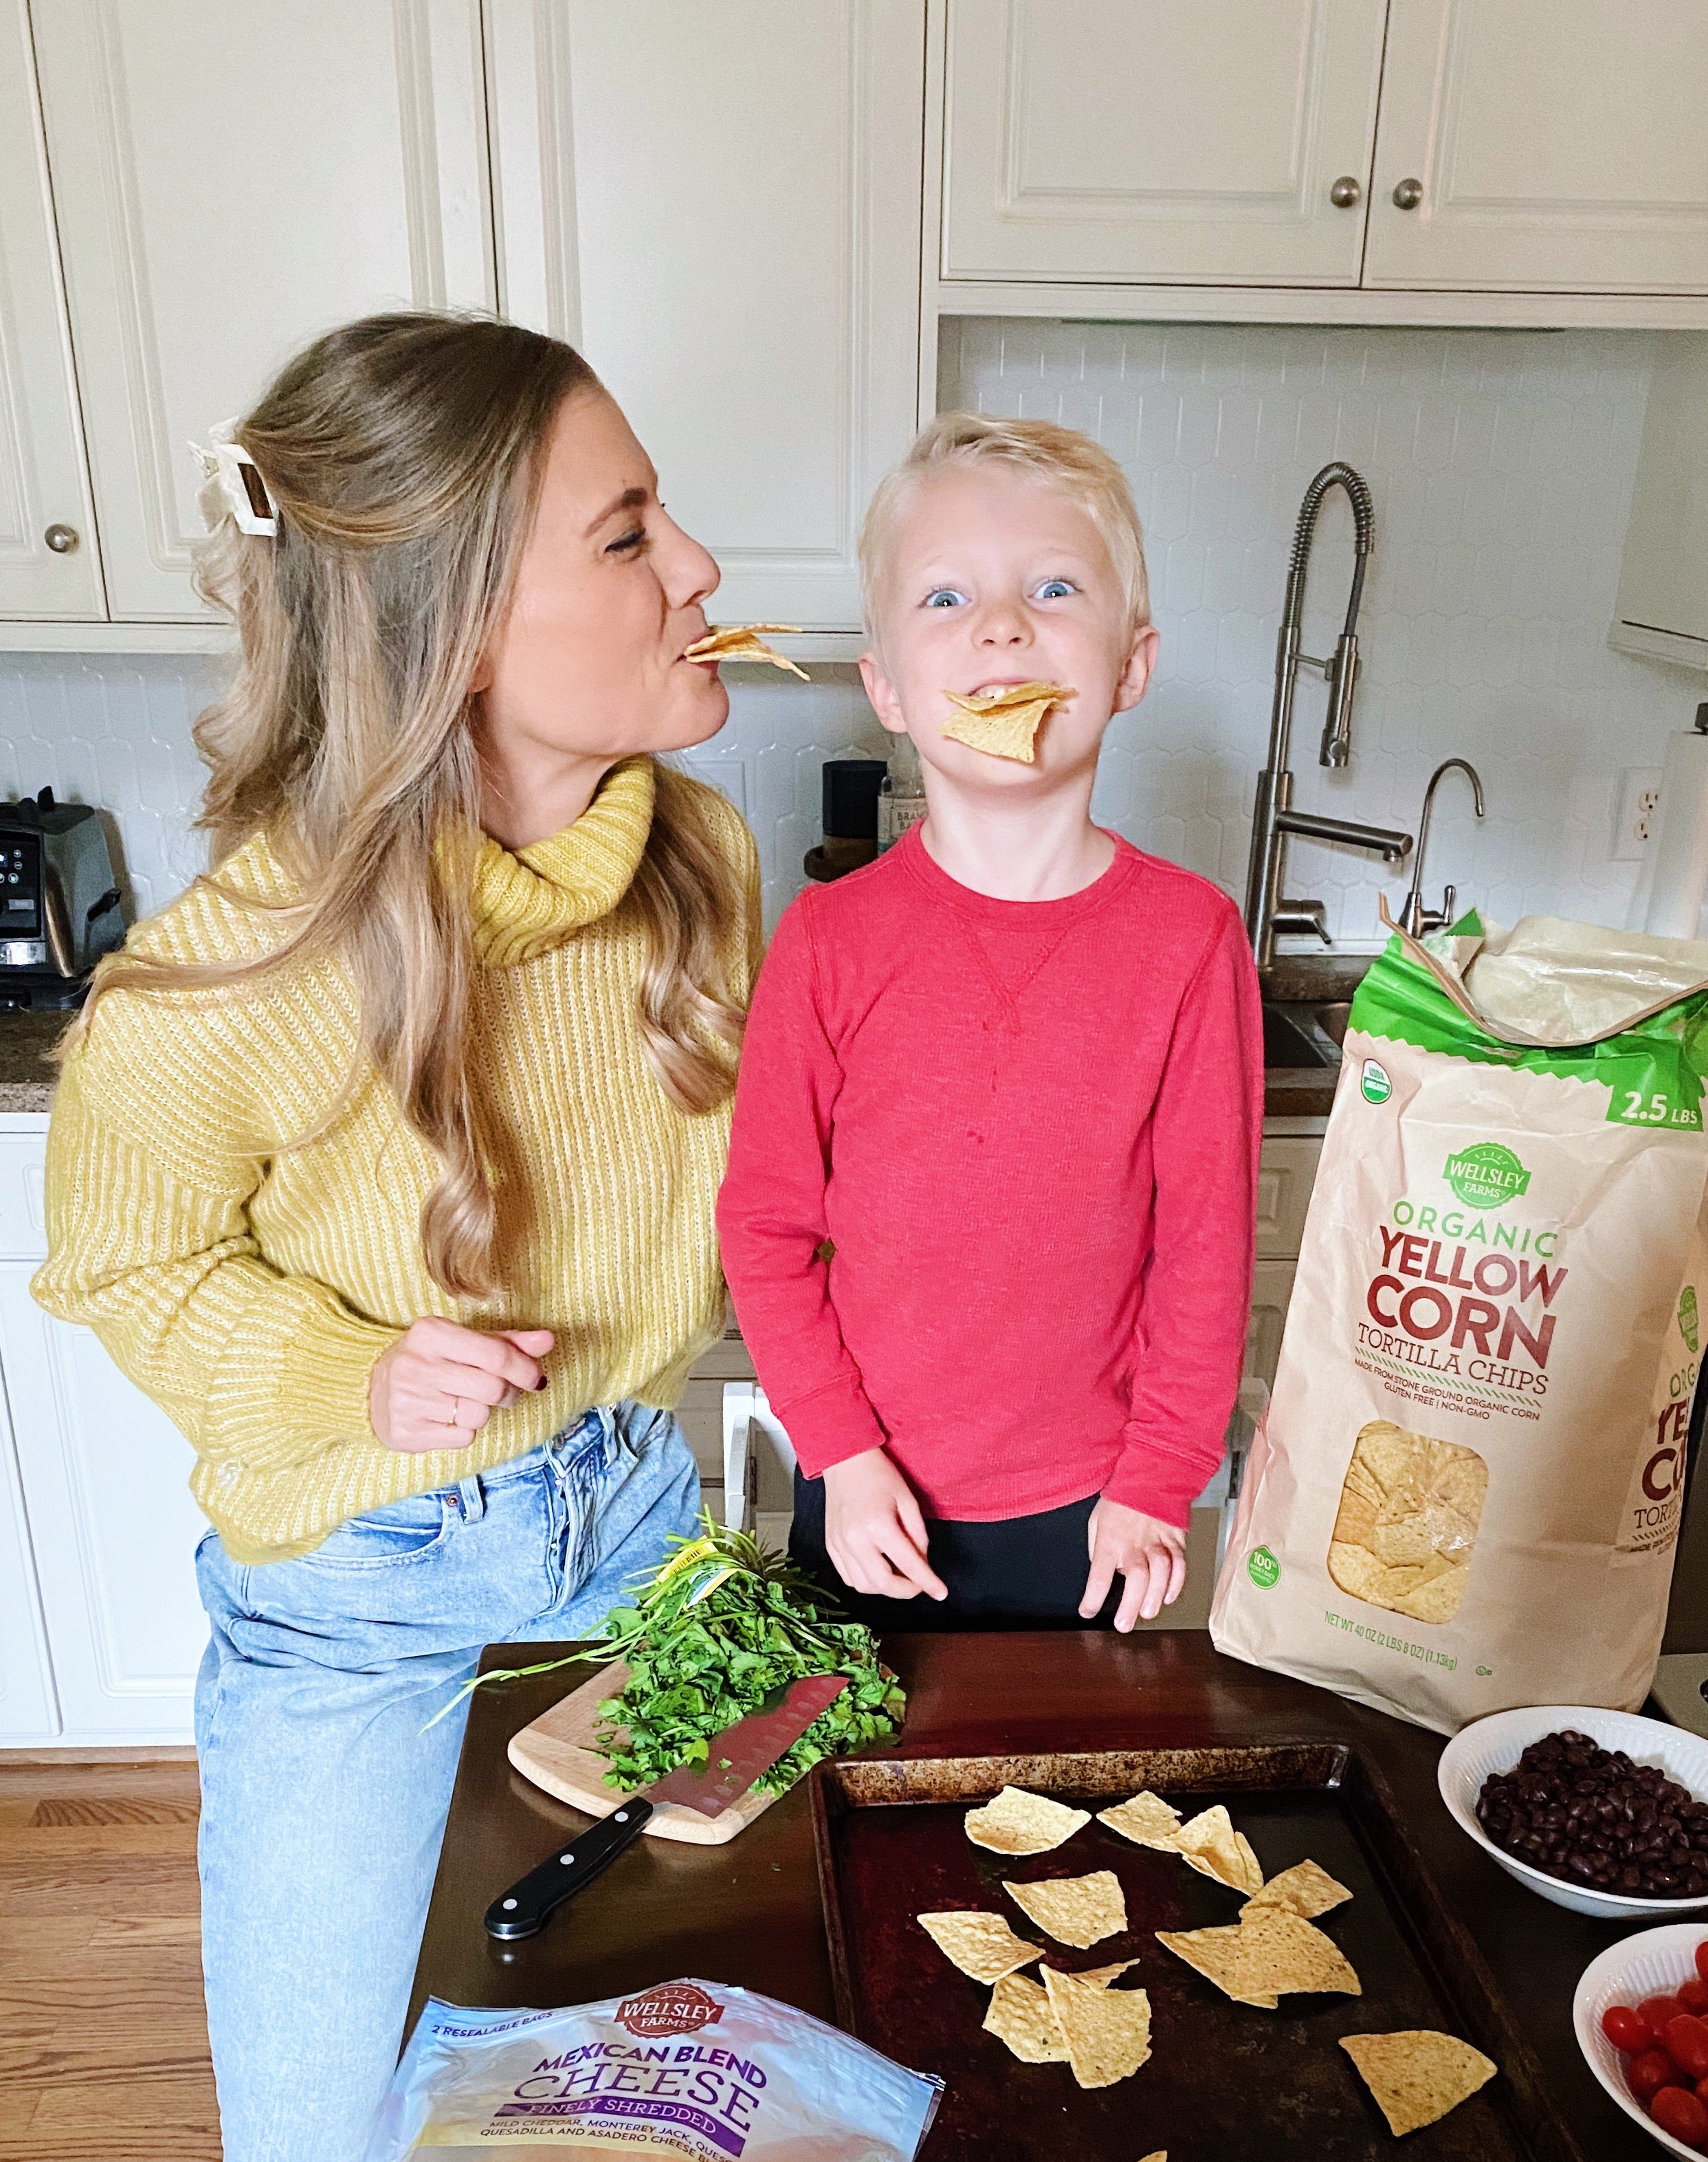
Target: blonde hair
(403, 453)
(1036, 449)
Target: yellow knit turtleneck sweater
(248, 1284)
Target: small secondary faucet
(1415, 917)
(1273, 817)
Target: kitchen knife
(734, 1759)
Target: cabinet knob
(1408, 195)
(62, 539)
(1345, 192)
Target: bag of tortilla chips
(1465, 1494)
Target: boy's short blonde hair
(1036, 449)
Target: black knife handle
(529, 1905)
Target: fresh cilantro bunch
(720, 1630)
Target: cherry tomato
(1626, 2029)
(1692, 1995)
(1702, 1959)
(1677, 2111)
(1657, 2010)
(1685, 2041)
(1649, 2071)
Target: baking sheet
(1224, 2080)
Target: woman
(384, 1159)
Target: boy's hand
(874, 1531)
(1151, 1554)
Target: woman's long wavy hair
(403, 453)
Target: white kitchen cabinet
(1177, 142)
(228, 182)
(720, 207)
(111, 1527)
(1555, 146)
(43, 488)
(1663, 606)
(28, 1710)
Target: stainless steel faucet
(1274, 818)
(1415, 917)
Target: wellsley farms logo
(673, 2007)
(1485, 1175)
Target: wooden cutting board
(556, 1752)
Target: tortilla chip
(1284, 1953)
(743, 641)
(1007, 724)
(1211, 1845)
(1021, 1822)
(1102, 1976)
(1304, 1890)
(1417, 2075)
(1264, 1956)
(1408, 1520)
(1146, 1819)
(1107, 2031)
(1076, 1910)
(1020, 2015)
(982, 1946)
(1217, 1954)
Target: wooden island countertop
(749, 1911)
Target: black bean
(1594, 1817)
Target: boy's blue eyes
(1051, 589)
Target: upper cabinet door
(720, 206)
(230, 181)
(43, 488)
(1174, 142)
(1544, 145)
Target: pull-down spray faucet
(1274, 818)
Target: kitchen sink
(1299, 1034)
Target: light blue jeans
(322, 1801)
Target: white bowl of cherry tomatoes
(1641, 2013)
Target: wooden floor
(103, 2045)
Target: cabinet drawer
(23, 1219)
(1286, 1174)
(1271, 1288)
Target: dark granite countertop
(27, 1073)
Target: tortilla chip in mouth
(1018, 1822)
(745, 641)
(1007, 724)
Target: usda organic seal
(1485, 1175)
(1374, 1081)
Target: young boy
(989, 1215)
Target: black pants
(1021, 1573)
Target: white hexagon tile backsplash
(1501, 465)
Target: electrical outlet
(1639, 799)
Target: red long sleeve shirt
(1029, 1131)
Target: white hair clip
(231, 486)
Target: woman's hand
(440, 1383)
(1151, 1554)
(874, 1531)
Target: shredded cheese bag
(1466, 1492)
(687, 2071)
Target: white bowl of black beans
(1613, 1821)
